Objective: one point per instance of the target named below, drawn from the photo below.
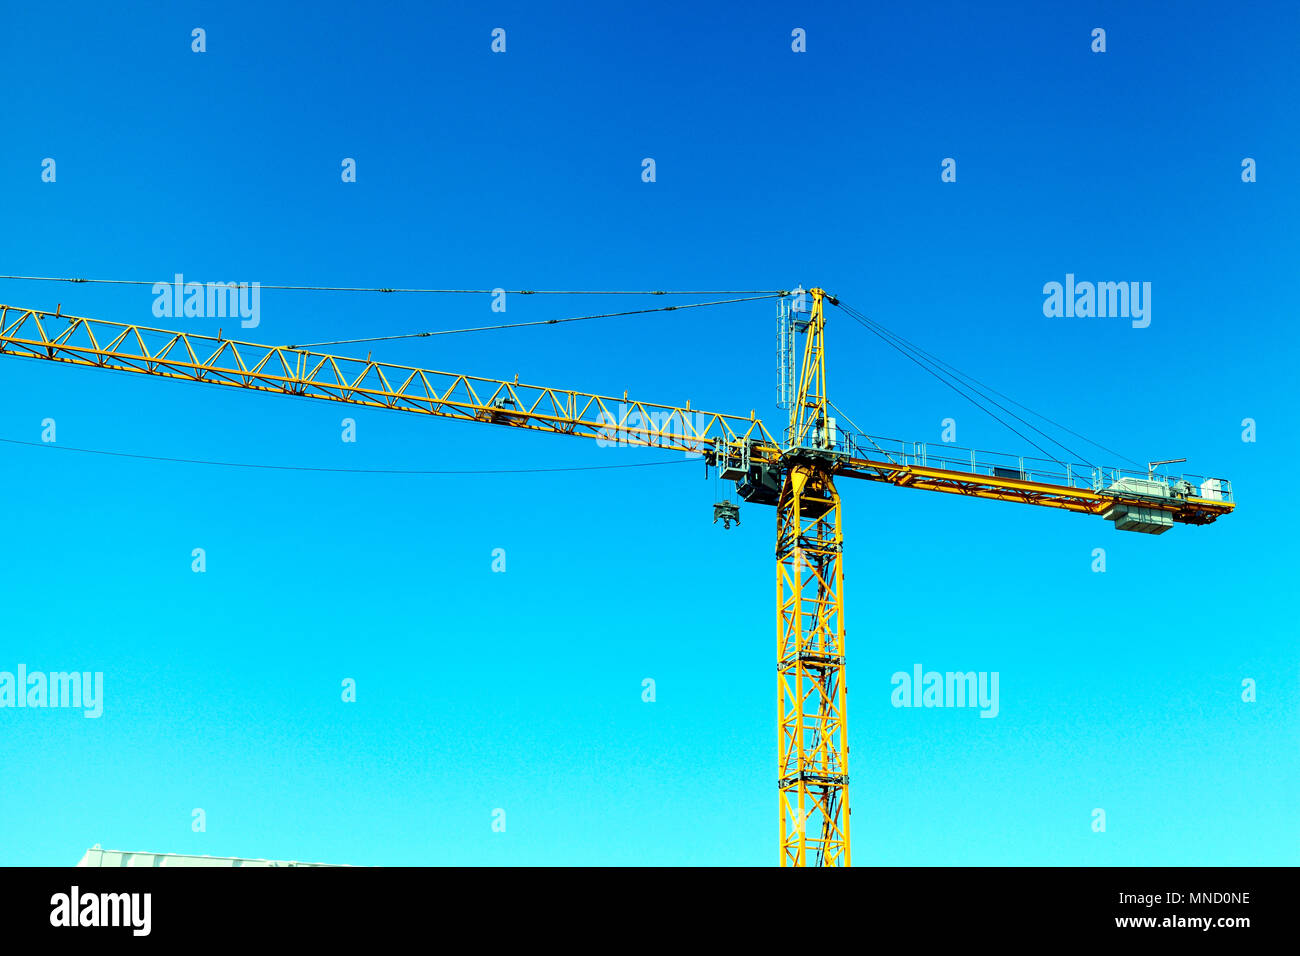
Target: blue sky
(522, 691)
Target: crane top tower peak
(810, 431)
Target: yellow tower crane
(796, 473)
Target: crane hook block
(728, 511)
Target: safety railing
(992, 464)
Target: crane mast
(795, 473)
(812, 737)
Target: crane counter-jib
(1171, 505)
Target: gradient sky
(522, 691)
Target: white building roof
(97, 856)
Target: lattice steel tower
(812, 740)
